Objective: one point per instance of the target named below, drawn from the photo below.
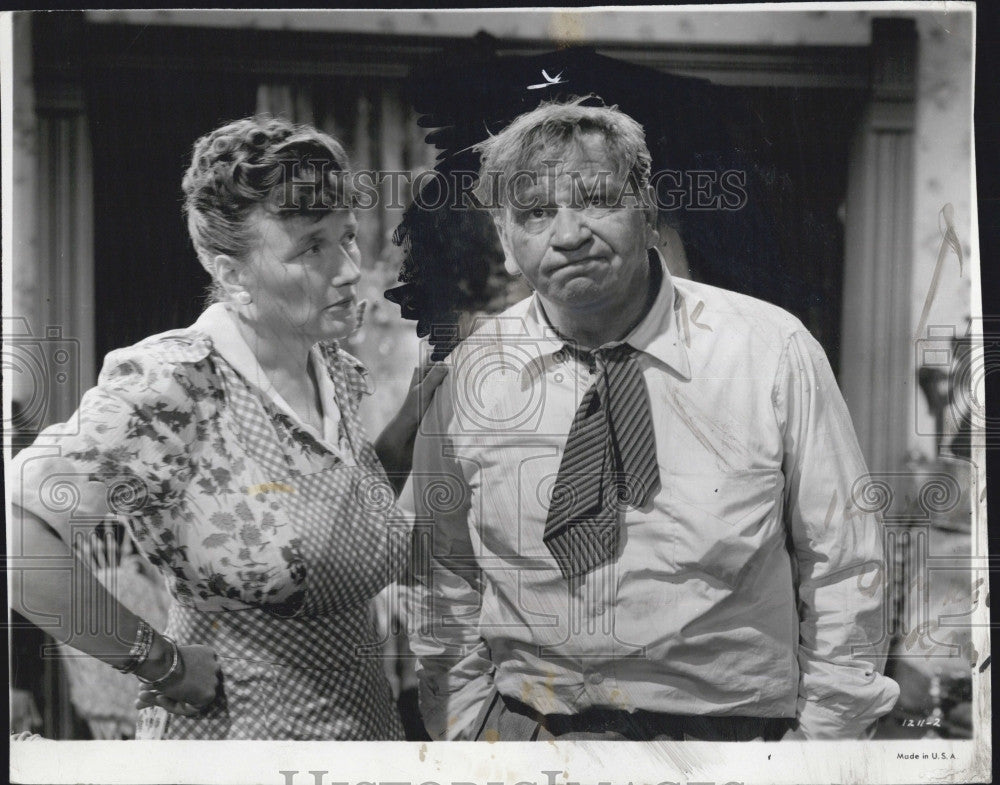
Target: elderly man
(639, 490)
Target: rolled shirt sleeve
(838, 551)
(454, 669)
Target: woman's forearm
(61, 594)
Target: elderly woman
(233, 451)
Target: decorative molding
(878, 381)
(284, 53)
(63, 201)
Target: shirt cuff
(449, 711)
(817, 722)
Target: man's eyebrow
(535, 194)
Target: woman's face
(303, 275)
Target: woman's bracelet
(175, 669)
(139, 652)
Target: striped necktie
(609, 462)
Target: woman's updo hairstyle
(288, 170)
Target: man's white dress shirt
(752, 585)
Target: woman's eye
(314, 249)
(350, 239)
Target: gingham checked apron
(318, 674)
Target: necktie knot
(598, 359)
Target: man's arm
(454, 668)
(838, 554)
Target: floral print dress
(273, 538)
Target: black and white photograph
(457, 395)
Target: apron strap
(361, 448)
(254, 428)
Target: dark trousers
(508, 719)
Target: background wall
(942, 175)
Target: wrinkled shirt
(751, 585)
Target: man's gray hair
(551, 128)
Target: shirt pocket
(724, 523)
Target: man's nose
(569, 228)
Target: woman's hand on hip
(195, 690)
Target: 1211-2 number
(930, 722)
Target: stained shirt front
(273, 536)
(751, 585)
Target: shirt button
(559, 356)
(595, 678)
(599, 610)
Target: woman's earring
(511, 266)
(243, 298)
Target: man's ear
(652, 216)
(509, 262)
(230, 272)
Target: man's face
(575, 246)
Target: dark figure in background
(453, 269)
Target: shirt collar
(658, 334)
(219, 325)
